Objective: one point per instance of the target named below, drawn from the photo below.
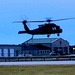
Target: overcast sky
(16, 10)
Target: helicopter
(44, 29)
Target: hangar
(44, 46)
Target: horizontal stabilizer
(21, 32)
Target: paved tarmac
(37, 63)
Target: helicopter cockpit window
(53, 28)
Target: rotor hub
(24, 21)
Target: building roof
(34, 47)
(41, 40)
(41, 47)
(10, 45)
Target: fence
(37, 58)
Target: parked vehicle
(54, 54)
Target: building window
(5, 52)
(41, 52)
(45, 51)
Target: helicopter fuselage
(44, 29)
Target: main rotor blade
(35, 21)
(20, 21)
(48, 20)
(17, 22)
(27, 21)
(64, 19)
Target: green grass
(38, 70)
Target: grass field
(38, 70)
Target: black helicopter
(44, 29)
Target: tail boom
(22, 32)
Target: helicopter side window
(53, 28)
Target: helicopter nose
(60, 30)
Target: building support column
(2, 52)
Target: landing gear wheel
(58, 34)
(48, 36)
